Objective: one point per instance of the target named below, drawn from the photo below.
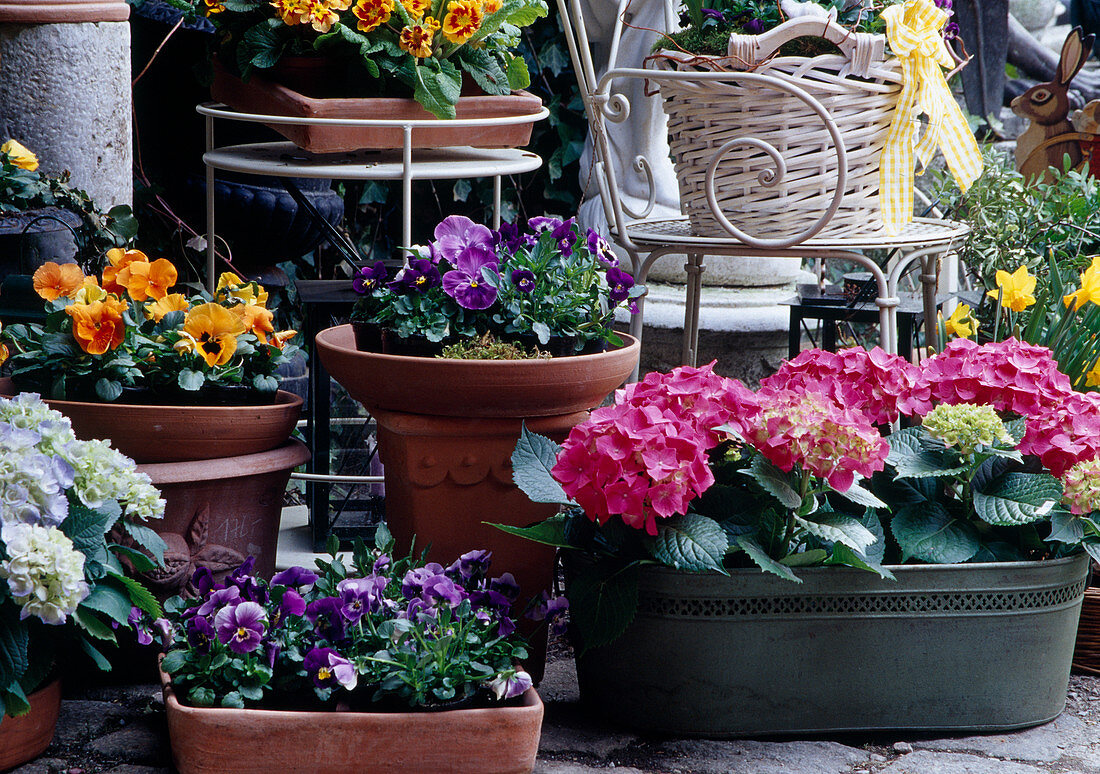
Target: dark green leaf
(532, 461)
(757, 553)
(13, 646)
(174, 661)
(774, 481)
(913, 456)
(693, 543)
(99, 659)
(438, 90)
(602, 602)
(805, 558)
(486, 71)
(875, 552)
(860, 496)
(845, 556)
(140, 596)
(838, 528)
(110, 601)
(1066, 528)
(931, 534)
(233, 699)
(1017, 498)
(93, 625)
(147, 538)
(86, 528)
(108, 390)
(549, 532)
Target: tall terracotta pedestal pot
(446, 432)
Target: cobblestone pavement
(121, 730)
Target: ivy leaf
(774, 481)
(602, 603)
(757, 553)
(838, 528)
(1017, 498)
(931, 534)
(1066, 528)
(694, 543)
(532, 460)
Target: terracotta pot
(264, 96)
(218, 512)
(446, 432)
(26, 737)
(499, 740)
(150, 434)
(62, 11)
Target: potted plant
(447, 424)
(843, 80)
(186, 385)
(66, 504)
(378, 59)
(384, 664)
(886, 559)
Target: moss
(488, 347)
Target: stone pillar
(65, 90)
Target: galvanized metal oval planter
(945, 647)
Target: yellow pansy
(1017, 290)
(230, 286)
(19, 156)
(961, 323)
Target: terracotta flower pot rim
(282, 398)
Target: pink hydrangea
(1082, 487)
(1066, 433)
(697, 396)
(879, 384)
(813, 432)
(1009, 375)
(639, 462)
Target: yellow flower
(19, 156)
(230, 286)
(256, 319)
(292, 12)
(144, 280)
(90, 292)
(212, 7)
(52, 280)
(1090, 287)
(416, 8)
(98, 327)
(118, 260)
(372, 13)
(280, 339)
(462, 20)
(1017, 290)
(417, 40)
(172, 302)
(960, 323)
(211, 331)
(4, 349)
(489, 7)
(1092, 378)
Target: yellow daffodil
(19, 156)
(211, 331)
(417, 40)
(1090, 287)
(1016, 290)
(463, 19)
(53, 280)
(1092, 378)
(961, 324)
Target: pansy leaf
(233, 700)
(603, 600)
(838, 528)
(757, 553)
(1017, 498)
(694, 543)
(930, 533)
(843, 555)
(774, 481)
(190, 380)
(532, 460)
(108, 390)
(173, 661)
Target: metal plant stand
(285, 160)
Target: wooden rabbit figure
(1049, 136)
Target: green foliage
(532, 460)
(692, 542)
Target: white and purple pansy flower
(601, 249)
(419, 276)
(467, 283)
(458, 234)
(241, 626)
(328, 669)
(359, 596)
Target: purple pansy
(241, 626)
(524, 280)
(753, 26)
(219, 598)
(712, 13)
(458, 234)
(203, 581)
(564, 230)
(510, 684)
(359, 596)
(325, 615)
(505, 585)
(381, 564)
(620, 283)
(200, 634)
(144, 636)
(601, 249)
(508, 236)
(328, 669)
(440, 588)
(295, 577)
(413, 582)
(951, 31)
(291, 603)
(471, 565)
(466, 283)
(543, 223)
(369, 278)
(272, 649)
(419, 276)
(251, 589)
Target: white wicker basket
(859, 88)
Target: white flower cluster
(45, 573)
(103, 473)
(32, 484)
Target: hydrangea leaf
(860, 496)
(532, 460)
(805, 558)
(838, 528)
(913, 457)
(845, 556)
(13, 646)
(139, 595)
(1066, 528)
(602, 602)
(1017, 498)
(931, 534)
(876, 552)
(110, 601)
(147, 538)
(93, 653)
(694, 543)
(774, 481)
(757, 553)
(550, 532)
(90, 623)
(86, 528)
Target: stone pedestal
(65, 90)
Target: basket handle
(862, 50)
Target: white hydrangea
(32, 484)
(45, 573)
(103, 473)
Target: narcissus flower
(372, 13)
(98, 327)
(144, 280)
(211, 331)
(417, 40)
(463, 19)
(280, 338)
(1090, 287)
(1016, 290)
(172, 302)
(19, 155)
(52, 280)
(961, 324)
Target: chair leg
(694, 268)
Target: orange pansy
(52, 280)
(144, 280)
(280, 339)
(172, 302)
(211, 331)
(256, 319)
(120, 259)
(98, 326)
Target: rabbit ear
(1075, 51)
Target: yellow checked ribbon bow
(914, 31)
